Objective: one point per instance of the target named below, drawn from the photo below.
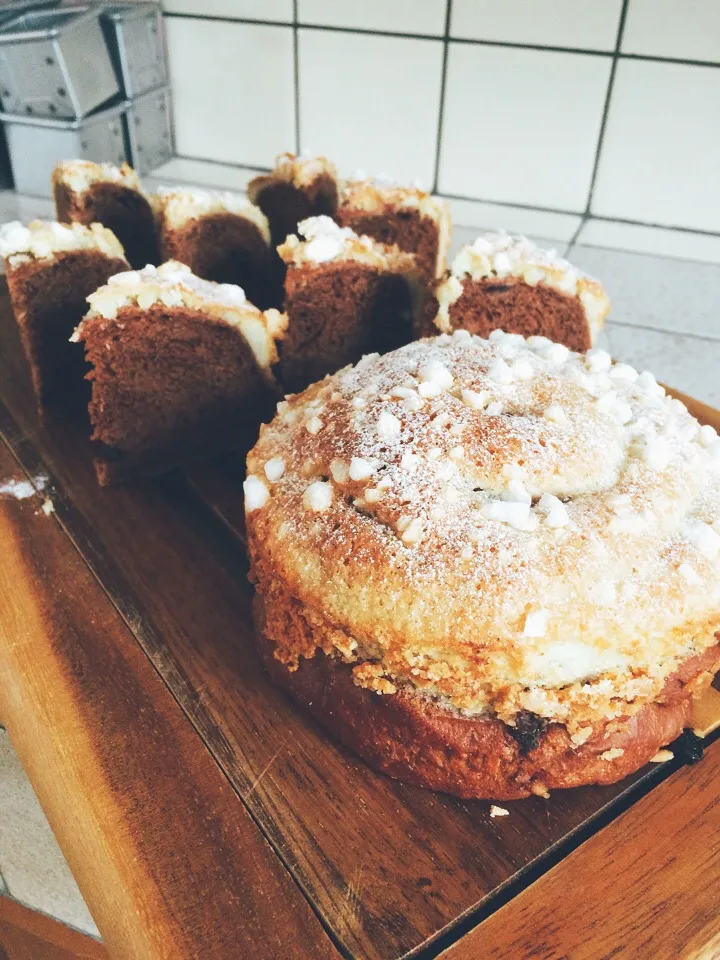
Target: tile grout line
(668, 333)
(695, 231)
(296, 76)
(574, 238)
(443, 83)
(606, 108)
(472, 41)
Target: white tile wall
(665, 243)
(522, 125)
(278, 10)
(579, 24)
(533, 223)
(233, 89)
(399, 16)
(343, 105)
(684, 29)
(660, 158)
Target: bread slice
(345, 296)
(505, 282)
(180, 370)
(221, 237)
(87, 192)
(51, 269)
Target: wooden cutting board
(202, 813)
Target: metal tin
(150, 135)
(36, 145)
(134, 36)
(8, 11)
(55, 63)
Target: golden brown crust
(384, 499)
(418, 741)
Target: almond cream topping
(377, 197)
(42, 239)
(302, 171)
(504, 255)
(81, 174)
(321, 240)
(178, 206)
(174, 285)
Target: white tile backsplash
(522, 125)
(399, 16)
(579, 24)
(656, 240)
(279, 10)
(673, 296)
(660, 159)
(522, 88)
(233, 89)
(561, 227)
(384, 121)
(222, 176)
(687, 30)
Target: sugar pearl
(536, 623)
(413, 532)
(707, 435)
(274, 469)
(500, 372)
(360, 469)
(474, 399)
(556, 414)
(389, 427)
(339, 471)
(256, 493)
(598, 360)
(318, 496)
(436, 372)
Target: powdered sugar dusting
(42, 239)
(472, 533)
(324, 242)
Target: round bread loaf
(491, 567)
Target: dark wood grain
(167, 857)
(645, 887)
(27, 935)
(388, 867)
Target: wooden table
(205, 817)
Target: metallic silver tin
(150, 135)
(134, 36)
(54, 63)
(36, 145)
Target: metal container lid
(46, 23)
(120, 12)
(162, 88)
(107, 113)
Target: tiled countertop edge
(569, 228)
